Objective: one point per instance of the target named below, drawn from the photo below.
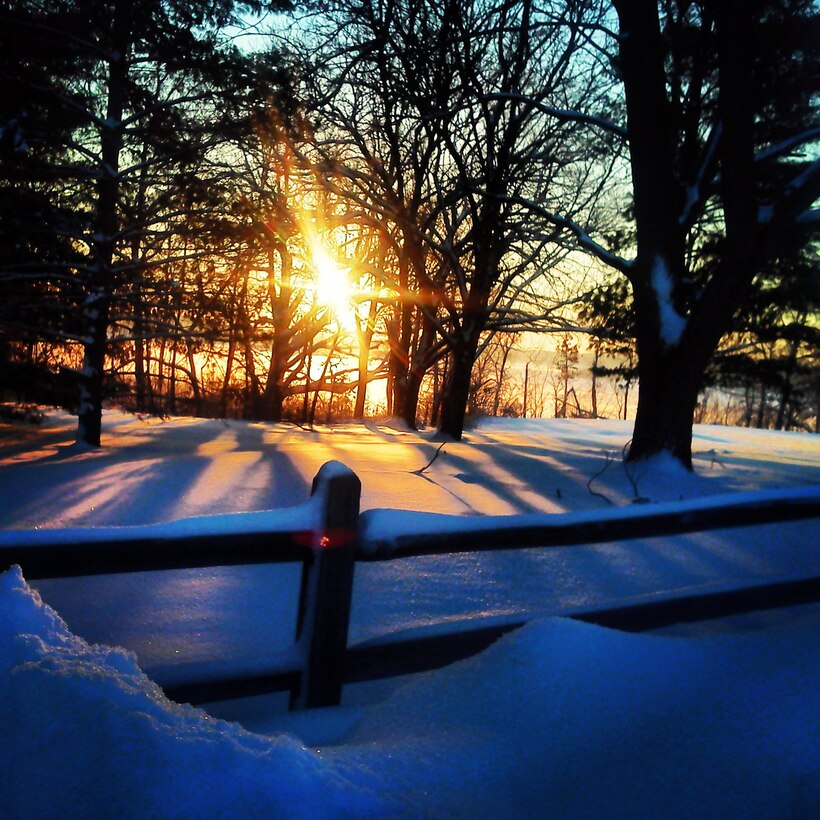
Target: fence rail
(454, 534)
(328, 536)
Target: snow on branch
(802, 181)
(796, 201)
(564, 113)
(788, 145)
(695, 192)
(809, 218)
(584, 239)
(672, 324)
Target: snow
(810, 217)
(558, 719)
(672, 324)
(765, 214)
(88, 734)
(303, 517)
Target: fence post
(327, 588)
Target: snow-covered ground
(559, 719)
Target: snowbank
(560, 719)
(87, 734)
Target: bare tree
(422, 124)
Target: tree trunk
(671, 369)
(500, 382)
(407, 382)
(172, 380)
(150, 392)
(786, 388)
(361, 389)
(138, 308)
(565, 399)
(321, 381)
(253, 386)
(329, 412)
(98, 301)
(274, 395)
(400, 400)
(761, 410)
(89, 415)
(661, 422)
(411, 397)
(664, 424)
(365, 340)
(439, 375)
(594, 372)
(389, 391)
(194, 376)
(457, 389)
(673, 351)
(226, 381)
(273, 400)
(749, 396)
(669, 384)
(139, 369)
(306, 395)
(161, 389)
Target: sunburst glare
(333, 286)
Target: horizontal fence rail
(327, 535)
(391, 657)
(241, 538)
(376, 659)
(382, 537)
(141, 554)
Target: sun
(332, 283)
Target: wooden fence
(340, 536)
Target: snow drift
(559, 719)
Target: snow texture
(558, 719)
(672, 324)
(87, 734)
(301, 518)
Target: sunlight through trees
(432, 211)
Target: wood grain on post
(327, 588)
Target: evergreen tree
(771, 351)
(129, 99)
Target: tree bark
(273, 396)
(594, 371)
(457, 388)
(365, 335)
(668, 394)
(663, 399)
(98, 301)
